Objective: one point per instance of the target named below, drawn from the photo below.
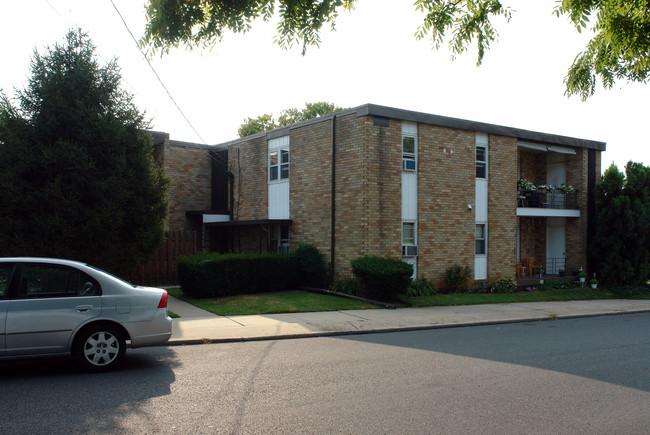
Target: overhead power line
(156, 74)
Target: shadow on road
(613, 349)
(46, 392)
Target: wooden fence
(160, 269)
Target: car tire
(100, 348)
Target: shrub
(457, 277)
(348, 287)
(382, 278)
(217, 275)
(562, 283)
(311, 264)
(420, 287)
(505, 284)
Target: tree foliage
(78, 176)
(203, 22)
(287, 117)
(621, 245)
(619, 50)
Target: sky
(371, 57)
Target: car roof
(42, 260)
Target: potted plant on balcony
(565, 189)
(525, 186)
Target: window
(408, 233)
(279, 239)
(408, 153)
(481, 162)
(279, 164)
(50, 281)
(480, 239)
(409, 239)
(5, 276)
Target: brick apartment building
(373, 180)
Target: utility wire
(156, 74)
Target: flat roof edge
(463, 124)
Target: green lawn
(576, 294)
(302, 301)
(270, 303)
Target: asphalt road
(589, 375)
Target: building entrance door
(555, 244)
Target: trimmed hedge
(311, 264)
(221, 275)
(382, 278)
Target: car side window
(52, 281)
(5, 276)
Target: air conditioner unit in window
(409, 250)
(408, 164)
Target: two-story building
(372, 180)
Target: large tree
(621, 245)
(287, 117)
(78, 176)
(619, 50)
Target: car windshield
(111, 275)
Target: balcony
(548, 201)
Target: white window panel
(279, 201)
(481, 200)
(409, 196)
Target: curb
(188, 342)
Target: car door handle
(83, 308)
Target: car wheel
(100, 347)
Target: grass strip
(303, 301)
(274, 303)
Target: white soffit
(211, 218)
(546, 148)
(561, 150)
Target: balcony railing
(542, 198)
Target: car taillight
(163, 300)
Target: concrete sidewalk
(198, 326)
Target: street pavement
(197, 326)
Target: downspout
(591, 207)
(231, 179)
(333, 206)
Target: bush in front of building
(456, 278)
(421, 287)
(313, 272)
(382, 278)
(220, 275)
(505, 284)
(349, 286)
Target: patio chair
(532, 265)
(521, 269)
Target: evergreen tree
(621, 245)
(78, 176)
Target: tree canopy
(619, 50)
(621, 244)
(287, 117)
(78, 176)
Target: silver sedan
(52, 307)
